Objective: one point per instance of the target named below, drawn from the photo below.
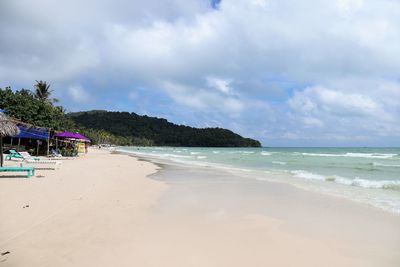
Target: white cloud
(260, 3)
(78, 94)
(340, 55)
(312, 122)
(341, 114)
(202, 99)
(223, 85)
(314, 100)
(348, 6)
(304, 40)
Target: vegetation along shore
(118, 128)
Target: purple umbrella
(72, 135)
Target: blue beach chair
(29, 170)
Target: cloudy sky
(287, 72)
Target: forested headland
(159, 131)
(36, 107)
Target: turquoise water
(366, 175)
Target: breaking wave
(352, 155)
(376, 184)
(386, 165)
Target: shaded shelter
(32, 132)
(72, 135)
(79, 141)
(7, 128)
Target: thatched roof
(7, 127)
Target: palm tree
(61, 109)
(7, 128)
(42, 90)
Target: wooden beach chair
(29, 170)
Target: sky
(286, 72)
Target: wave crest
(377, 164)
(359, 182)
(353, 155)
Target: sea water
(366, 175)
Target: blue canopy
(32, 132)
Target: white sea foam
(376, 184)
(167, 155)
(307, 175)
(160, 148)
(352, 155)
(239, 152)
(379, 189)
(279, 162)
(384, 184)
(386, 165)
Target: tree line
(118, 128)
(159, 131)
(39, 109)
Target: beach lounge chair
(28, 159)
(13, 155)
(55, 153)
(29, 170)
(42, 164)
(20, 155)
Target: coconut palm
(61, 109)
(7, 128)
(43, 92)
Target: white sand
(101, 210)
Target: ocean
(366, 175)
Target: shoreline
(269, 178)
(347, 226)
(215, 197)
(117, 209)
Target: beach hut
(81, 141)
(30, 135)
(72, 135)
(7, 128)
(40, 134)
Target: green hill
(160, 132)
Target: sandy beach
(200, 133)
(103, 210)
